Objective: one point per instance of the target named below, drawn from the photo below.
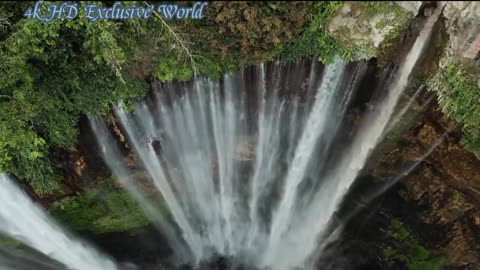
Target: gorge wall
(440, 195)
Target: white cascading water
(304, 236)
(234, 163)
(230, 158)
(204, 135)
(23, 220)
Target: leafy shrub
(459, 96)
(249, 31)
(50, 74)
(315, 40)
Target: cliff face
(463, 27)
(438, 178)
(441, 191)
(444, 187)
(457, 82)
(447, 185)
(370, 26)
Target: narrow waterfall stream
(21, 219)
(248, 167)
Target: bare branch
(5, 97)
(4, 23)
(179, 40)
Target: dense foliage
(250, 31)
(52, 73)
(238, 33)
(315, 41)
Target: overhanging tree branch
(179, 40)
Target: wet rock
(245, 152)
(445, 186)
(428, 11)
(427, 136)
(462, 19)
(461, 250)
(411, 6)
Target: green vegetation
(459, 98)
(408, 250)
(399, 22)
(372, 26)
(105, 208)
(236, 33)
(52, 73)
(373, 8)
(9, 242)
(315, 40)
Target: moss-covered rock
(369, 25)
(105, 208)
(405, 248)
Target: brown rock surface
(445, 185)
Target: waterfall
(21, 219)
(247, 166)
(303, 239)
